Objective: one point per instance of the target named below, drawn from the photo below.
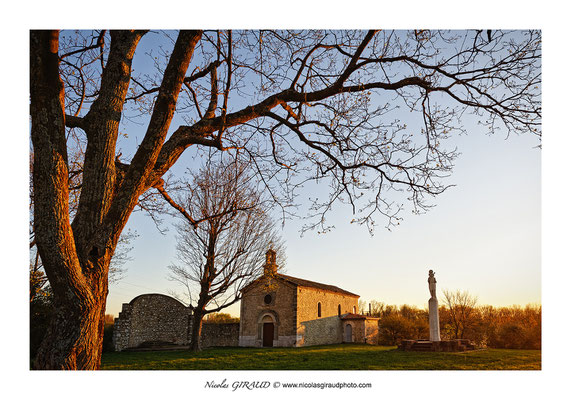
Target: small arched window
(354, 310)
(339, 310)
(318, 310)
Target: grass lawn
(332, 357)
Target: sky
(482, 236)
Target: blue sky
(483, 235)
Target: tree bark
(197, 316)
(74, 339)
(76, 256)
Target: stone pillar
(434, 321)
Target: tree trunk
(196, 331)
(74, 339)
(76, 258)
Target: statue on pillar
(433, 319)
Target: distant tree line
(513, 327)
(220, 318)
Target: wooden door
(268, 334)
(348, 333)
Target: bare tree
(377, 308)
(222, 241)
(297, 105)
(462, 308)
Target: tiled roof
(316, 285)
(353, 316)
(305, 283)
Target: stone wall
(159, 319)
(219, 335)
(372, 331)
(151, 318)
(319, 331)
(327, 329)
(280, 310)
(309, 298)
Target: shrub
(393, 328)
(219, 318)
(108, 338)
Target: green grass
(332, 357)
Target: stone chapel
(282, 311)
(276, 311)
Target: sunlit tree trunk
(76, 256)
(74, 338)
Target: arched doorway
(348, 333)
(268, 331)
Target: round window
(268, 299)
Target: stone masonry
(156, 319)
(219, 334)
(275, 310)
(297, 312)
(325, 329)
(151, 318)
(280, 310)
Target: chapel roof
(315, 285)
(305, 283)
(356, 316)
(353, 316)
